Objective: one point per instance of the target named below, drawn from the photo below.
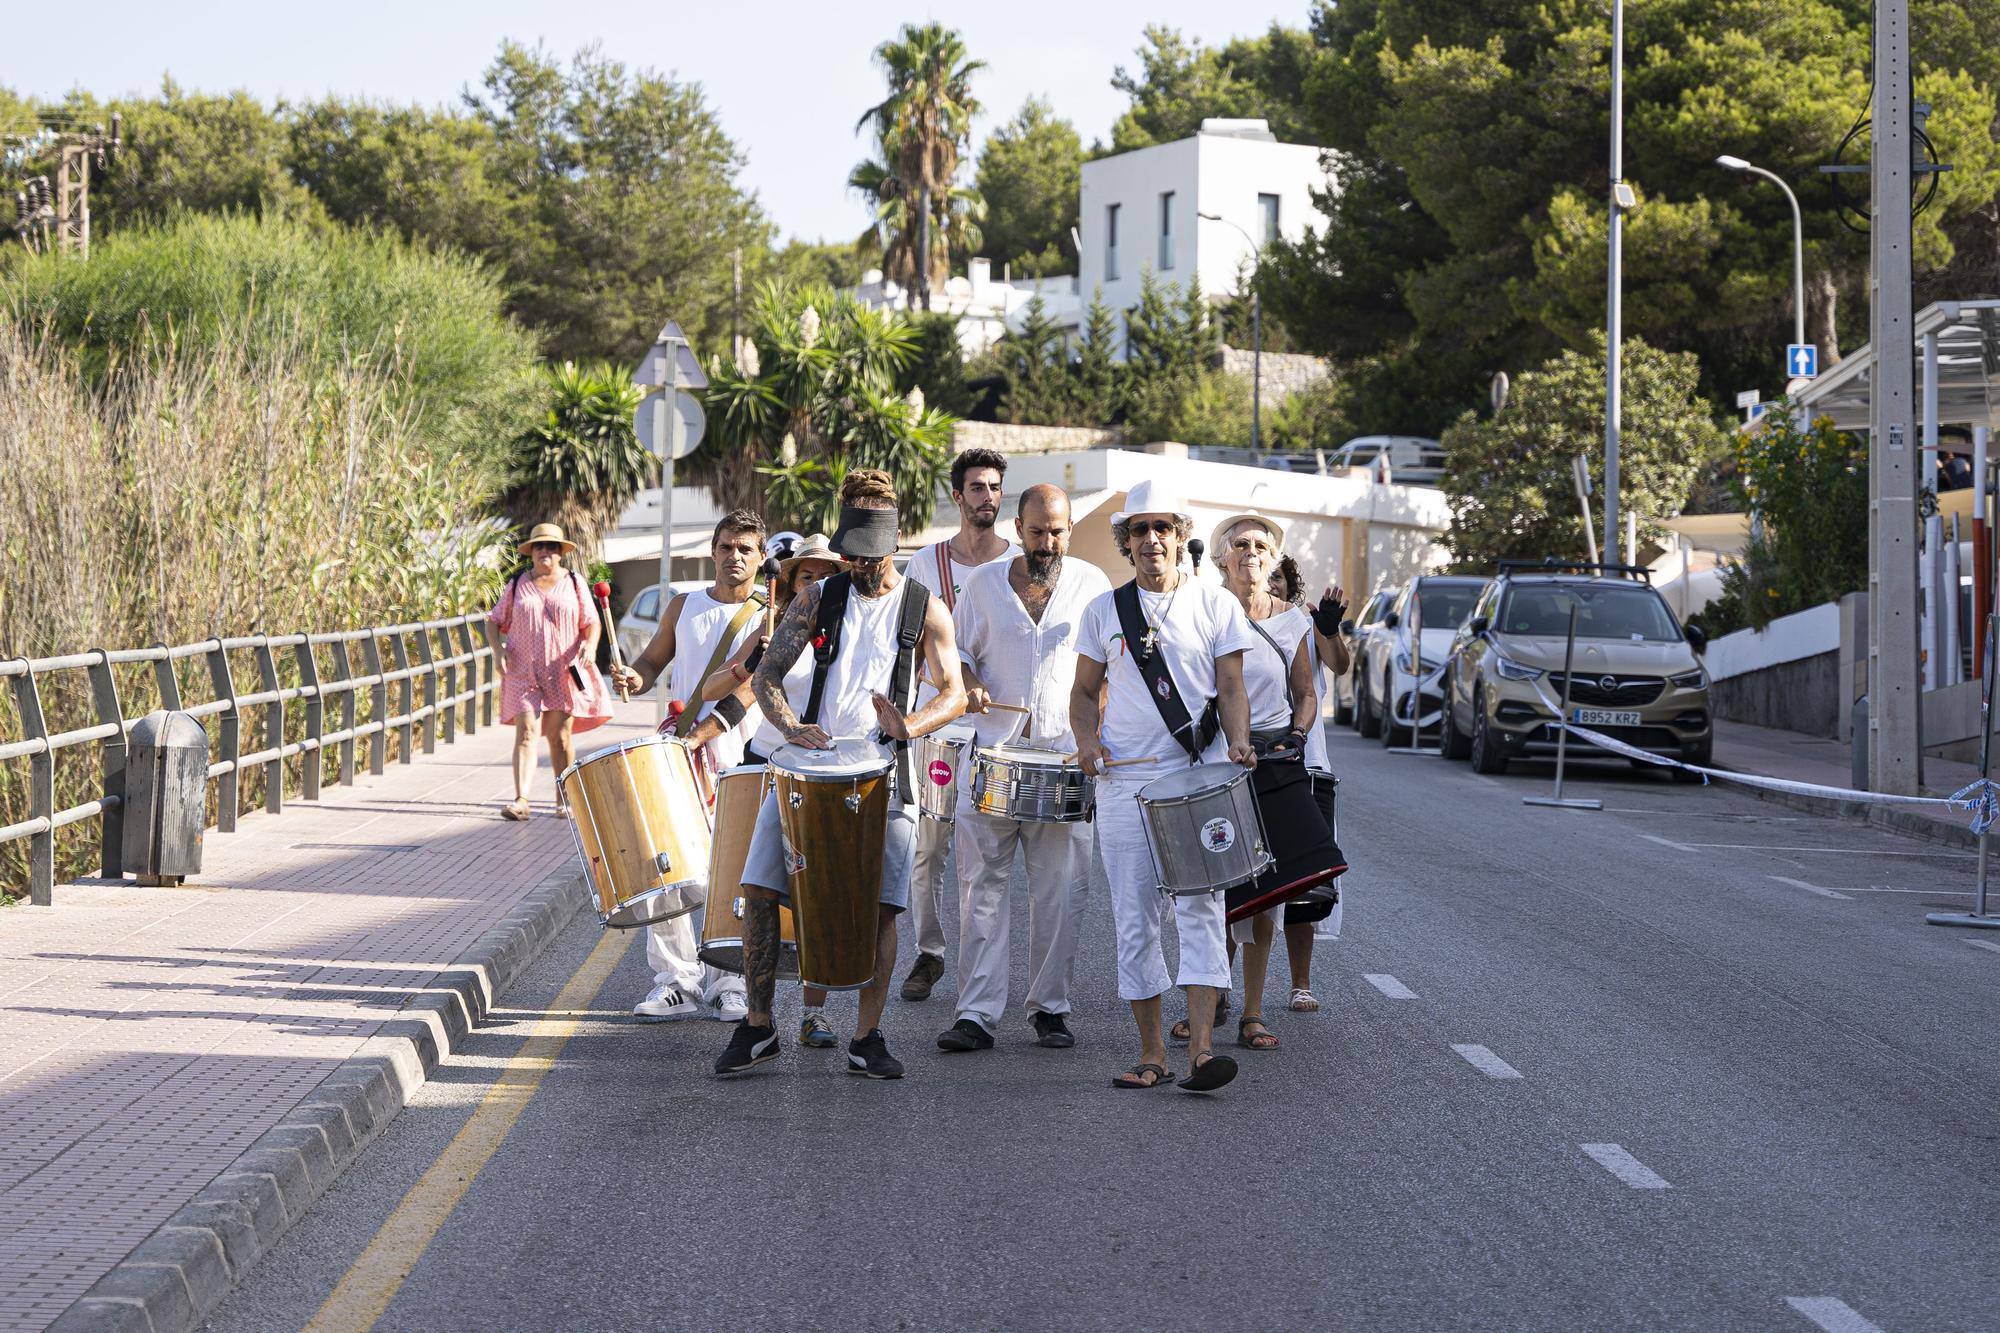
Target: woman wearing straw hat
(548, 659)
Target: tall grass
(265, 482)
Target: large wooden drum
(739, 793)
(641, 829)
(833, 806)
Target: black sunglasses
(1161, 525)
(539, 547)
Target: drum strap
(826, 640)
(826, 646)
(751, 606)
(1193, 735)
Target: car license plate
(1603, 717)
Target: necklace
(1152, 640)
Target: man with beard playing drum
(863, 658)
(1017, 623)
(1196, 632)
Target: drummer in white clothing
(1017, 623)
(1199, 633)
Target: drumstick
(603, 592)
(1005, 708)
(1120, 763)
(769, 569)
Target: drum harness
(752, 604)
(826, 646)
(1194, 735)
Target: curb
(178, 1275)
(1906, 822)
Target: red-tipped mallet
(603, 594)
(769, 572)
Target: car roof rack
(1551, 565)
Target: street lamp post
(1256, 333)
(1728, 163)
(1614, 315)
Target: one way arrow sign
(1802, 360)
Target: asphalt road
(1628, 1069)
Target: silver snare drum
(1203, 826)
(939, 757)
(1038, 786)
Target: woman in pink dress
(548, 660)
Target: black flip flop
(1161, 1077)
(1210, 1074)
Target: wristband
(730, 709)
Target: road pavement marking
(1811, 888)
(1839, 851)
(1667, 842)
(1832, 1314)
(1984, 944)
(1625, 1166)
(1486, 1062)
(368, 1287)
(1389, 986)
(1762, 818)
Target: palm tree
(922, 129)
(582, 463)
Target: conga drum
(833, 807)
(641, 829)
(739, 792)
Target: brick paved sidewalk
(149, 1035)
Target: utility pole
(736, 305)
(1614, 314)
(66, 223)
(1895, 742)
(923, 292)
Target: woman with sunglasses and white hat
(547, 659)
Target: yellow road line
(367, 1288)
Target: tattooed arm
(793, 637)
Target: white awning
(1968, 369)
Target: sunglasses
(540, 547)
(1160, 525)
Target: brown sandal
(515, 810)
(1266, 1040)
(1160, 1075)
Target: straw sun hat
(546, 532)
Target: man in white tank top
(699, 631)
(853, 705)
(976, 488)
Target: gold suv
(1637, 674)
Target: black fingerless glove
(1328, 615)
(730, 709)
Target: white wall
(1789, 638)
(1233, 172)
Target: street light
(1622, 198)
(1728, 163)
(1256, 332)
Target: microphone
(1195, 547)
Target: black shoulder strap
(826, 639)
(903, 681)
(1194, 736)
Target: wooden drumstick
(770, 569)
(1120, 763)
(1004, 708)
(603, 594)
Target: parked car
(1347, 685)
(642, 619)
(1637, 674)
(1413, 459)
(1437, 604)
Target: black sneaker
(1050, 1030)
(870, 1056)
(748, 1047)
(965, 1035)
(924, 975)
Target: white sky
(788, 79)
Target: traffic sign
(1758, 410)
(652, 371)
(1802, 360)
(652, 428)
(1749, 398)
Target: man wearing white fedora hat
(1187, 663)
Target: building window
(1167, 230)
(1267, 208)
(1111, 243)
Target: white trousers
(927, 886)
(1055, 856)
(1138, 906)
(670, 952)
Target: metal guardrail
(434, 656)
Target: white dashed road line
(1486, 1062)
(1988, 945)
(1667, 842)
(1839, 851)
(1832, 1314)
(1389, 986)
(1811, 888)
(1625, 1166)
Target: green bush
(429, 322)
(1808, 485)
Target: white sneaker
(732, 1005)
(665, 1003)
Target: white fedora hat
(1153, 497)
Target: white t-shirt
(1266, 678)
(699, 625)
(1022, 661)
(923, 567)
(1196, 623)
(865, 665)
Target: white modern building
(987, 308)
(1142, 211)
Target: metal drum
(833, 806)
(641, 829)
(1203, 827)
(1039, 786)
(739, 793)
(939, 758)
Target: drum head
(846, 758)
(958, 733)
(1191, 782)
(1027, 754)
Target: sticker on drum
(1218, 835)
(794, 861)
(940, 772)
